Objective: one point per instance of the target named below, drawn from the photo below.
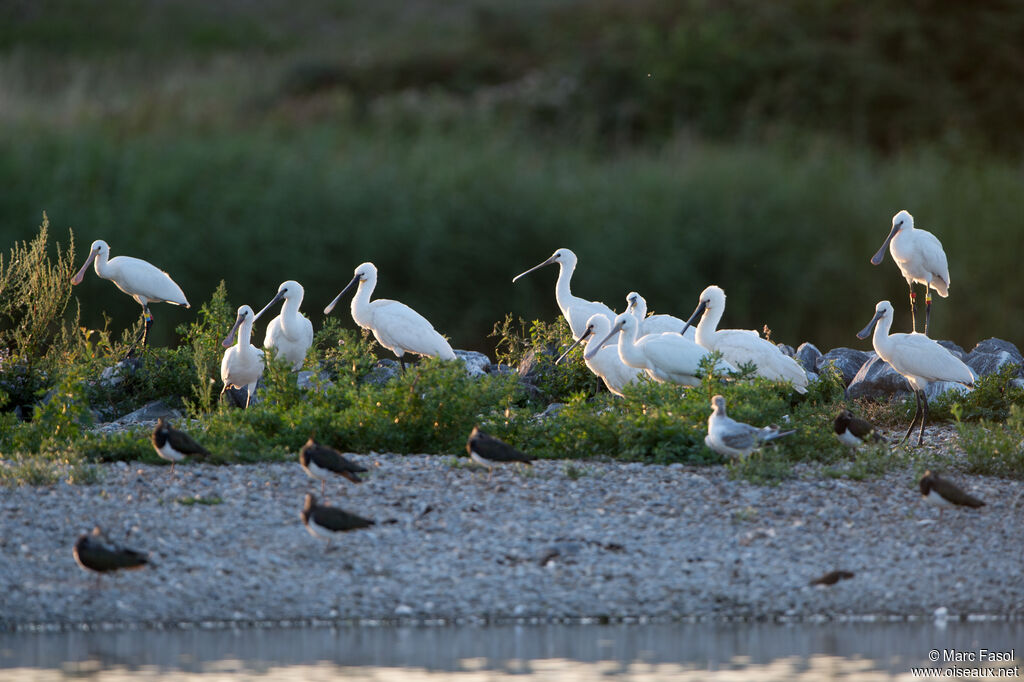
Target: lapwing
(734, 439)
(323, 522)
(832, 577)
(853, 431)
(94, 553)
(321, 461)
(943, 493)
(174, 445)
(487, 451)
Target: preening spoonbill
(853, 431)
(740, 346)
(918, 358)
(322, 461)
(174, 445)
(486, 450)
(290, 334)
(606, 362)
(943, 493)
(575, 309)
(395, 325)
(242, 365)
(143, 281)
(665, 357)
(324, 522)
(731, 438)
(920, 257)
(655, 324)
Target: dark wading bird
(920, 257)
(853, 431)
(919, 359)
(322, 461)
(94, 553)
(943, 493)
(143, 281)
(324, 522)
(174, 445)
(832, 577)
(486, 450)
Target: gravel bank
(619, 540)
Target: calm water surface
(554, 652)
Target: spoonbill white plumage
(740, 346)
(665, 357)
(290, 334)
(655, 324)
(395, 325)
(731, 438)
(242, 365)
(918, 358)
(575, 309)
(141, 280)
(920, 257)
(606, 362)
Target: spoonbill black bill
(290, 334)
(733, 439)
(606, 362)
(141, 280)
(575, 309)
(242, 365)
(654, 324)
(740, 346)
(920, 257)
(395, 325)
(918, 358)
(323, 461)
(175, 445)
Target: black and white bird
(733, 439)
(175, 445)
(95, 553)
(853, 431)
(486, 450)
(323, 461)
(943, 493)
(324, 522)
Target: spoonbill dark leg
(917, 413)
(913, 308)
(147, 322)
(924, 416)
(401, 361)
(927, 308)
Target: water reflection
(563, 652)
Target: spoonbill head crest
(901, 221)
(564, 257)
(597, 325)
(289, 290)
(632, 301)
(364, 272)
(882, 311)
(245, 315)
(98, 248)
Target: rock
(384, 371)
(991, 355)
(551, 410)
(877, 379)
(151, 412)
(808, 355)
(477, 364)
(304, 380)
(937, 388)
(847, 360)
(236, 397)
(956, 350)
(112, 376)
(786, 349)
(994, 345)
(24, 412)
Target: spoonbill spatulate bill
(731, 438)
(918, 358)
(920, 257)
(395, 325)
(605, 362)
(290, 334)
(141, 280)
(740, 346)
(668, 357)
(242, 365)
(575, 309)
(654, 324)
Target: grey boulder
(848, 361)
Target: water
(564, 652)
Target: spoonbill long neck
(361, 301)
(708, 325)
(629, 353)
(245, 333)
(563, 295)
(290, 312)
(881, 339)
(102, 265)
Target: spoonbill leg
(917, 413)
(147, 322)
(913, 308)
(927, 306)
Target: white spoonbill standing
(605, 362)
(141, 280)
(575, 309)
(665, 357)
(655, 324)
(290, 334)
(740, 346)
(242, 365)
(395, 325)
(920, 257)
(731, 438)
(918, 358)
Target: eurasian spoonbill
(606, 362)
(920, 257)
(740, 346)
(174, 445)
(141, 280)
(322, 461)
(731, 438)
(395, 325)
(655, 324)
(290, 334)
(918, 358)
(242, 365)
(486, 450)
(575, 309)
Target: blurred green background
(762, 146)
